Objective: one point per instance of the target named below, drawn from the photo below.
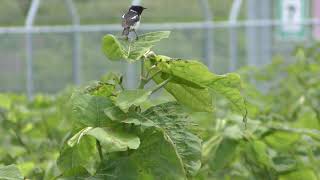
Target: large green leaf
(174, 122)
(89, 109)
(81, 155)
(117, 49)
(10, 172)
(155, 159)
(187, 93)
(224, 155)
(193, 73)
(111, 139)
(128, 98)
(112, 48)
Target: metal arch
(233, 40)
(29, 46)
(209, 46)
(76, 61)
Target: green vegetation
(106, 131)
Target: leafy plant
(114, 137)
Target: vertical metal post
(251, 33)
(209, 42)
(76, 52)
(131, 70)
(29, 46)
(233, 40)
(265, 33)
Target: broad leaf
(89, 110)
(155, 159)
(81, 155)
(171, 119)
(10, 172)
(117, 49)
(224, 155)
(112, 48)
(128, 98)
(111, 139)
(187, 93)
(136, 49)
(193, 73)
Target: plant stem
(159, 86)
(143, 81)
(99, 149)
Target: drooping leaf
(128, 98)
(188, 94)
(112, 48)
(174, 122)
(117, 49)
(111, 139)
(89, 109)
(10, 172)
(193, 73)
(81, 155)
(155, 159)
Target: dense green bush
(107, 131)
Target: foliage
(106, 131)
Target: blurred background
(46, 45)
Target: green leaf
(89, 110)
(112, 48)
(257, 154)
(5, 102)
(281, 140)
(81, 155)
(10, 172)
(75, 173)
(224, 154)
(127, 98)
(146, 41)
(188, 94)
(111, 139)
(156, 158)
(193, 73)
(174, 123)
(300, 174)
(116, 49)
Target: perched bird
(131, 20)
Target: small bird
(131, 20)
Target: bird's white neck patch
(133, 11)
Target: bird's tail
(126, 31)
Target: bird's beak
(145, 8)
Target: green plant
(115, 138)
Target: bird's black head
(137, 9)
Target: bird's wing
(130, 19)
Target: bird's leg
(137, 37)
